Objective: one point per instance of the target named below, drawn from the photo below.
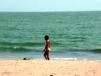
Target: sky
(49, 5)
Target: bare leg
(48, 56)
(45, 56)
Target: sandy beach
(49, 68)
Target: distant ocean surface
(73, 35)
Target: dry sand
(49, 68)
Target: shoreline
(40, 67)
(52, 59)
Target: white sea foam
(64, 58)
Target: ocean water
(73, 35)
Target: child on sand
(47, 47)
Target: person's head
(46, 37)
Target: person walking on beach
(47, 47)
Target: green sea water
(72, 34)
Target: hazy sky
(50, 5)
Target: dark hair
(46, 37)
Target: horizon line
(57, 11)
